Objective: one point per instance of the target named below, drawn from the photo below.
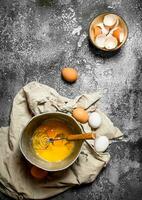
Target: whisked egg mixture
(52, 151)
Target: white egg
(95, 120)
(101, 143)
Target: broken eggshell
(117, 23)
(121, 37)
(104, 29)
(108, 23)
(95, 120)
(100, 40)
(96, 31)
(110, 20)
(118, 34)
(101, 143)
(110, 42)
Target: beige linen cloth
(15, 178)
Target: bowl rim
(36, 116)
(108, 50)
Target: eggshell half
(110, 20)
(96, 30)
(100, 40)
(119, 34)
(110, 42)
(104, 29)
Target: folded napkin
(15, 178)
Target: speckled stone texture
(38, 38)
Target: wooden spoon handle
(84, 136)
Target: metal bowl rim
(36, 116)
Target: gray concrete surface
(38, 38)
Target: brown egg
(80, 115)
(69, 74)
(38, 173)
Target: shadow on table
(103, 54)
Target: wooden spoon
(85, 136)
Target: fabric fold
(15, 178)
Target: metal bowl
(99, 18)
(26, 142)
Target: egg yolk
(54, 151)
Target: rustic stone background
(38, 38)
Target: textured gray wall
(38, 38)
